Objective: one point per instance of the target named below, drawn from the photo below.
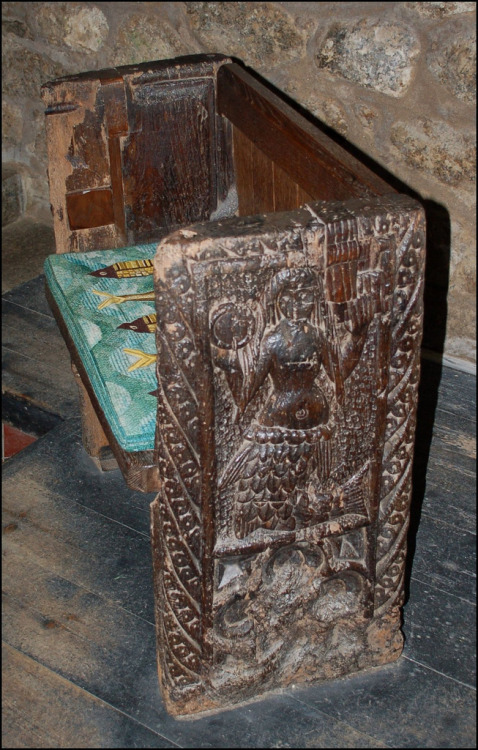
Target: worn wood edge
(186, 244)
(167, 68)
(395, 495)
(138, 468)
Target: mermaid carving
(267, 483)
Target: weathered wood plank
(450, 495)
(39, 383)
(402, 704)
(448, 428)
(77, 146)
(440, 632)
(35, 361)
(168, 156)
(30, 295)
(73, 539)
(102, 492)
(447, 390)
(42, 709)
(456, 450)
(79, 635)
(455, 434)
(34, 335)
(444, 474)
(445, 558)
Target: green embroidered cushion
(106, 300)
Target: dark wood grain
(262, 185)
(314, 161)
(288, 367)
(231, 505)
(90, 208)
(57, 713)
(148, 135)
(286, 192)
(262, 182)
(243, 166)
(169, 170)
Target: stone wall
(396, 79)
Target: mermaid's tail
(265, 481)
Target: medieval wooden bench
(242, 301)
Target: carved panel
(288, 352)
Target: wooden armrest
(288, 351)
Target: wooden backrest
(138, 151)
(135, 151)
(282, 160)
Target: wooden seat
(275, 286)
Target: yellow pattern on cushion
(102, 296)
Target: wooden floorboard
(439, 632)
(79, 667)
(42, 709)
(404, 704)
(452, 501)
(30, 295)
(445, 557)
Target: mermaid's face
(297, 303)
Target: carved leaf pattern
(180, 520)
(395, 489)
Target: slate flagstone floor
(79, 667)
